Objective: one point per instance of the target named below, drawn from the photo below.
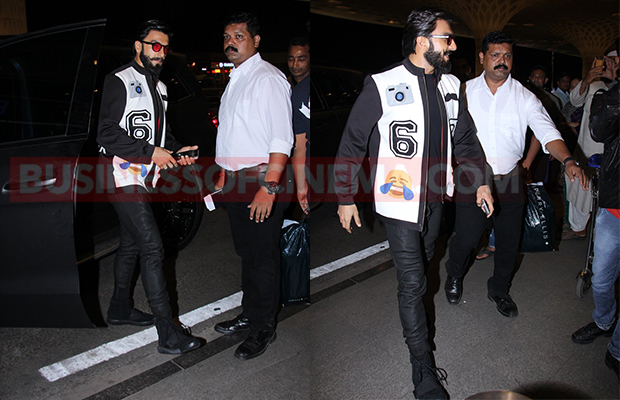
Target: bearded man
(412, 121)
(135, 143)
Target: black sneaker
(175, 339)
(612, 362)
(588, 333)
(134, 317)
(428, 379)
(121, 312)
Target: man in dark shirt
(299, 65)
(406, 117)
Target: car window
(338, 88)
(37, 80)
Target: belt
(513, 172)
(248, 172)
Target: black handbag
(295, 262)
(539, 229)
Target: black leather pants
(411, 251)
(140, 240)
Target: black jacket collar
(417, 70)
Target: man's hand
(573, 170)
(345, 213)
(484, 192)
(261, 206)
(593, 73)
(611, 69)
(185, 160)
(221, 181)
(302, 197)
(163, 158)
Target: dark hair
(562, 74)
(540, 67)
(248, 19)
(151, 25)
(496, 37)
(300, 41)
(421, 22)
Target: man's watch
(567, 159)
(273, 187)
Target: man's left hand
(573, 170)
(484, 192)
(185, 160)
(261, 206)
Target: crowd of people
(431, 139)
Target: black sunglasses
(449, 38)
(158, 46)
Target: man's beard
(153, 69)
(436, 60)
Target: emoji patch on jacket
(136, 169)
(398, 185)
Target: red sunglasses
(158, 46)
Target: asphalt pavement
(347, 344)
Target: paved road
(205, 272)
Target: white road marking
(126, 344)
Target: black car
(50, 91)
(333, 91)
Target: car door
(46, 90)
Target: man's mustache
(500, 66)
(233, 48)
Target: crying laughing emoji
(398, 185)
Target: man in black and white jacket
(134, 145)
(413, 123)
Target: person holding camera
(406, 117)
(604, 128)
(580, 202)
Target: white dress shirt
(255, 116)
(502, 120)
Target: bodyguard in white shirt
(502, 109)
(254, 140)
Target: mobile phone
(600, 61)
(189, 153)
(485, 207)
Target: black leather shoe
(255, 344)
(612, 363)
(135, 317)
(454, 289)
(505, 305)
(236, 325)
(588, 333)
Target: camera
(399, 94)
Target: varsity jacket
(389, 119)
(132, 122)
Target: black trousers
(140, 240)
(258, 245)
(507, 220)
(411, 251)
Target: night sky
(197, 24)
(198, 29)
